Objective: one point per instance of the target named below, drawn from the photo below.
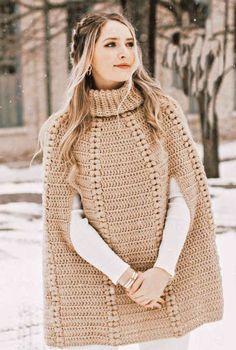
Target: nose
(123, 51)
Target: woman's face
(111, 52)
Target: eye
(130, 43)
(109, 44)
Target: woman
(117, 142)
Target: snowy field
(21, 254)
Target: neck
(106, 85)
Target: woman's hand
(149, 286)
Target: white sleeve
(175, 230)
(91, 247)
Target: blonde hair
(76, 100)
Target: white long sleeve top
(91, 247)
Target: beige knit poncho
(123, 183)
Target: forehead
(115, 29)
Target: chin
(123, 77)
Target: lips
(122, 65)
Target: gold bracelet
(131, 280)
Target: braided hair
(75, 44)
(78, 37)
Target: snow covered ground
(21, 253)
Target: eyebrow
(116, 39)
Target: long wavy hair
(76, 100)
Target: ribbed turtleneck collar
(104, 103)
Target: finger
(144, 302)
(161, 300)
(147, 302)
(158, 302)
(139, 294)
(154, 305)
(141, 299)
(135, 298)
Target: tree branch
(50, 6)
(169, 6)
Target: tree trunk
(139, 13)
(209, 137)
(152, 36)
(211, 158)
(47, 57)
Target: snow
(8, 187)
(21, 259)
(27, 174)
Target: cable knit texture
(88, 243)
(122, 179)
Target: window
(10, 82)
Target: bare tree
(143, 15)
(31, 40)
(195, 58)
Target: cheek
(135, 57)
(103, 60)
(135, 61)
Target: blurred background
(189, 46)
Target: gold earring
(89, 70)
